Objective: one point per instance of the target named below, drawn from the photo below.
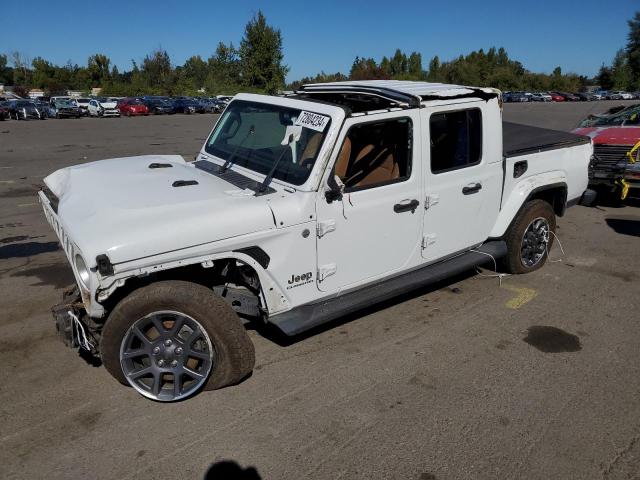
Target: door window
(456, 139)
(375, 154)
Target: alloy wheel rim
(166, 356)
(535, 242)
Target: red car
(132, 106)
(556, 97)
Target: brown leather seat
(309, 153)
(371, 166)
(342, 163)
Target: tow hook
(72, 323)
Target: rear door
(463, 177)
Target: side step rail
(311, 315)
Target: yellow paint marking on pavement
(27, 204)
(7, 181)
(523, 296)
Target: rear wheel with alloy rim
(530, 237)
(171, 339)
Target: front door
(463, 176)
(374, 230)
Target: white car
(540, 97)
(83, 104)
(296, 211)
(103, 107)
(619, 95)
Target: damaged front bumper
(74, 327)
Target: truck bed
(518, 139)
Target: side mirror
(336, 188)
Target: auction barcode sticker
(312, 121)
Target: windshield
(64, 103)
(255, 135)
(629, 116)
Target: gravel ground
(536, 378)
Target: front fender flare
(274, 298)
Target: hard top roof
(404, 92)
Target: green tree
(156, 73)
(434, 74)
(21, 72)
(415, 66)
(98, 69)
(398, 64)
(42, 73)
(633, 49)
(6, 72)
(621, 72)
(224, 70)
(195, 69)
(261, 55)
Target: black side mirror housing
(335, 189)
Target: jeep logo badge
(299, 280)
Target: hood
(123, 208)
(108, 104)
(611, 135)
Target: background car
(132, 106)
(619, 95)
(44, 108)
(586, 96)
(4, 112)
(83, 104)
(158, 105)
(23, 110)
(187, 105)
(103, 107)
(65, 108)
(556, 97)
(515, 97)
(569, 97)
(540, 97)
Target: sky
(324, 35)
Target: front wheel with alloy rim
(171, 339)
(530, 237)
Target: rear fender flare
(521, 193)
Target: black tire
(234, 354)
(533, 210)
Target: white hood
(123, 208)
(108, 104)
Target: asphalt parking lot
(536, 378)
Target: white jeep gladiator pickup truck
(298, 209)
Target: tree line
(492, 68)
(624, 71)
(257, 65)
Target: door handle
(472, 188)
(406, 207)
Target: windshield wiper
(229, 162)
(267, 180)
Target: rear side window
(456, 139)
